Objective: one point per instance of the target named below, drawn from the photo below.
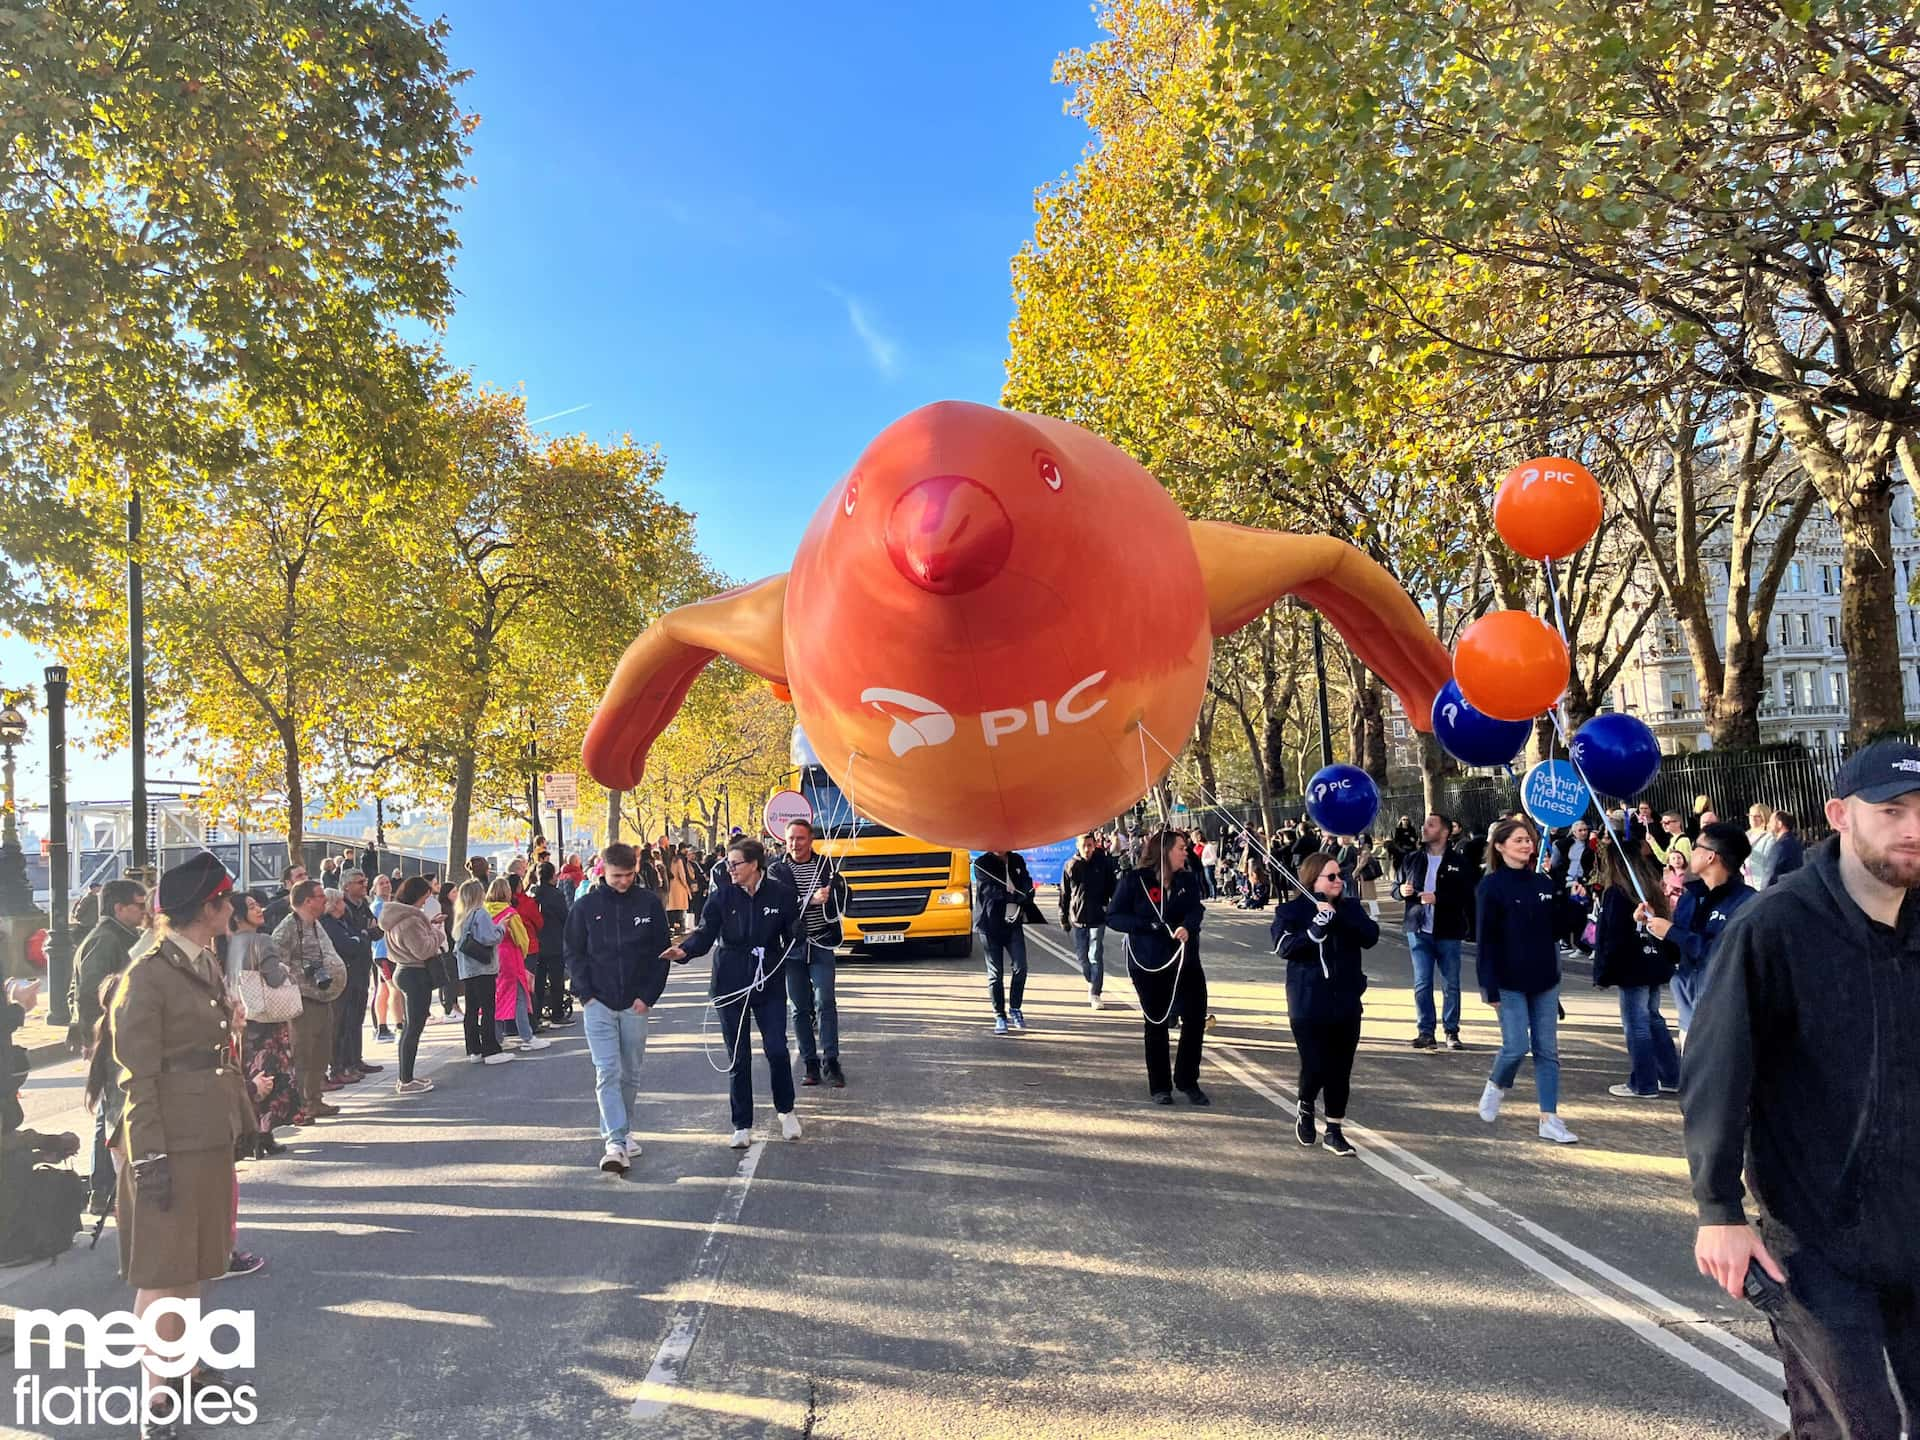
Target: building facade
(1806, 665)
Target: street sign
(561, 792)
(783, 808)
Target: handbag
(267, 1004)
(476, 949)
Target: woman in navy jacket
(1320, 935)
(755, 920)
(1522, 917)
(1158, 910)
(1637, 963)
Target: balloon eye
(1049, 469)
(852, 497)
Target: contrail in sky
(558, 414)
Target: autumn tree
(518, 588)
(1732, 195)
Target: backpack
(46, 1218)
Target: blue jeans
(1689, 983)
(810, 989)
(1006, 960)
(1427, 954)
(1090, 949)
(520, 1020)
(1654, 1062)
(617, 1041)
(1522, 1015)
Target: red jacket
(528, 909)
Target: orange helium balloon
(1547, 508)
(1510, 665)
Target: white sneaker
(1553, 1128)
(537, 1043)
(614, 1162)
(633, 1148)
(1096, 1003)
(500, 1057)
(741, 1139)
(790, 1126)
(1490, 1099)
(512, 1042)
(475, 1059)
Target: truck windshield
(833, 819)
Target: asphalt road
(986, 1237)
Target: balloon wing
(647, 690)
(1247, 570)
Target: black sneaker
(1336, 1142)
(1303, 1130)
(812, 1077)
(384, 1035)
(1196, 1095)
(1163, 1097)
(1424, 1041)
(1454, 1042)
(836, 1077)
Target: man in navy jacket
(1712, 898)
(614, 967)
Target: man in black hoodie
(1802, 1063)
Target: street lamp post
(1320, 677)
(137, 688)
(59, 937)
(16, 895)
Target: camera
(317, 975)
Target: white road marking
(1419, 1179)
(656, 1391)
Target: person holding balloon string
(1521, 918)
(1320, 934)
(1158, 911)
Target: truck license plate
(882, 937)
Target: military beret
(192, 883)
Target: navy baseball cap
(1882, 771)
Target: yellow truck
(904, 890)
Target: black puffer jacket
(1325, 978)
(1623, 954)
(1086, 889)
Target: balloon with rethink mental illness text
(1553, 793)
(1474, 738)
(1547, 508)
(1511, 665)
(1617, 753)
(1342, 800)
(997, 627)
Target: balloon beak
(949, 534)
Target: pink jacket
(512, 979)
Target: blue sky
(752, 234)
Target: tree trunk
(1202, 747)
(1274, 764)
(296, 796)
(1869, 624)
(1369, 704)
(462, 816)
(1733, 720)
(1433, 762)
(613, 818)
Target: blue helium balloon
(1342, 800)
(1554, 794)
(1473, 737)
(1618, 754)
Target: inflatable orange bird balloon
(985, 616)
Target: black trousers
(1168, 999)
(549, 984)
(416, 996)
(477, 1020)
(350, 1018)
(769, 1010)
(1326, 1061)
(1839, 1338)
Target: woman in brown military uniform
(173, 1031)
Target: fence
(263, 862)
(1790, 777)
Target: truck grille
(866, 904)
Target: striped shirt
(807, 879)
